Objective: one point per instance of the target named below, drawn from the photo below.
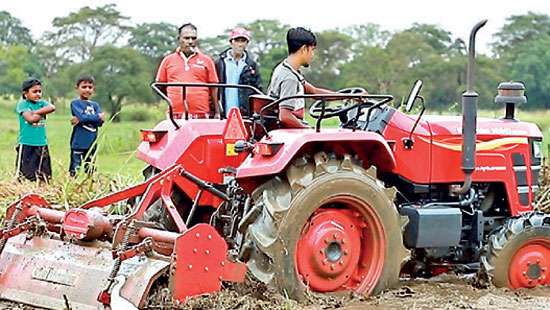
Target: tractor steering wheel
(339, 110)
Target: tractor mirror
(413, 95)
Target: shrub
(141, 113)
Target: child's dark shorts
(34, 162)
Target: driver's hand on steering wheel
(365, 93)
(362, 100)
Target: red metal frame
(20, 228)
(88, 223)
(200, 263)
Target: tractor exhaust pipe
(469, 115)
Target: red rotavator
(349, 208)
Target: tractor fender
(370, 147)
(195, 140)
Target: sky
(213, 17)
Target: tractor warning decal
(234, 127)
(230, 150)
(234, 131)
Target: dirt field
(442, 292)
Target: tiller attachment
(78, 259)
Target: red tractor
(339, 209)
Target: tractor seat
(257, 102)
(270, 116)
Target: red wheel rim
(530, 265)
(341, 247)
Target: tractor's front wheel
(329, 226)
(518, 254)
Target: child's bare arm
(36, 116)
(45, 110)
(31, 117)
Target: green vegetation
(117, 141)
(123, 57)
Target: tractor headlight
(537, 149)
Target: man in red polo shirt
(188, 64)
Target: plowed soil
(442, 292)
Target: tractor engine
(460, 181)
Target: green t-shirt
(31, 134)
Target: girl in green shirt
(33, 158)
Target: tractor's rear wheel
(518, 254)
(329, 226)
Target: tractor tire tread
(276, 196)
(503, 243)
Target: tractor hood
(452, 126)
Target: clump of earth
(442, 292)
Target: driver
(286, 79)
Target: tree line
(123, 57)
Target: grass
(117, 143)
(117, 166)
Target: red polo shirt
(199, 68)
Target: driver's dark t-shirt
(286, 82)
